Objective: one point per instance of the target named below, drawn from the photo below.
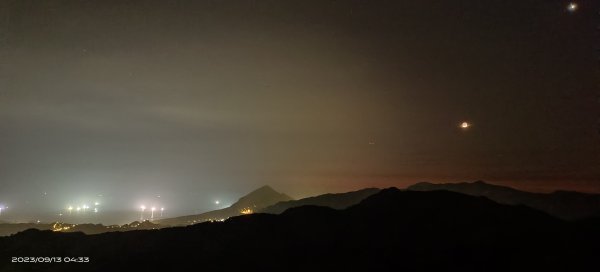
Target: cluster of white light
(83, 208)
(152, 210)
(212, 220)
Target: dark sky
(204, 100)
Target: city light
(152, 213)
(61, 227)
(246, 211)
(161, 212)
(84, 208)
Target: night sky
(198, 101)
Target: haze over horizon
(180, 104)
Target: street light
(142, 215)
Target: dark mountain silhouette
(11, 228)
(562, 204)
(99, 228)
(252, 202)
(337, 201)
(391, 230)
(256, 200)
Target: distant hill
(391, 230)
(254, 201)
(563, 204)
(99, 228)
(336, 201)
(12, 228)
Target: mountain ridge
(249, 203)
(332, 200)
(439, 230)
(563, 204)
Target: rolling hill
(336, 201)
(250, 203)
(562, 204)
(388, 231)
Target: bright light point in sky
(96, 203)
(572, 7)
(465, 125)
(217, 202)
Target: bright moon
(465, 125)
(572, 7)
